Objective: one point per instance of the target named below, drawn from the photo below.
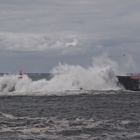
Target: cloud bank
(83, 27)
(24, 42)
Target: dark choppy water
(73, 117)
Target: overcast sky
(35, 35)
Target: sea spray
(99, 76)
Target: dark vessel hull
(130, 82)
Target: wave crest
(99, 76)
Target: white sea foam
(99, 76)
(54, 128)
(8, 116)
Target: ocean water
(108, 115)
(67, 106)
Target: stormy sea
(68, 106)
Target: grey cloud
(100, 25)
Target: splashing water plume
(99, 76)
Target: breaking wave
(99, 76)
